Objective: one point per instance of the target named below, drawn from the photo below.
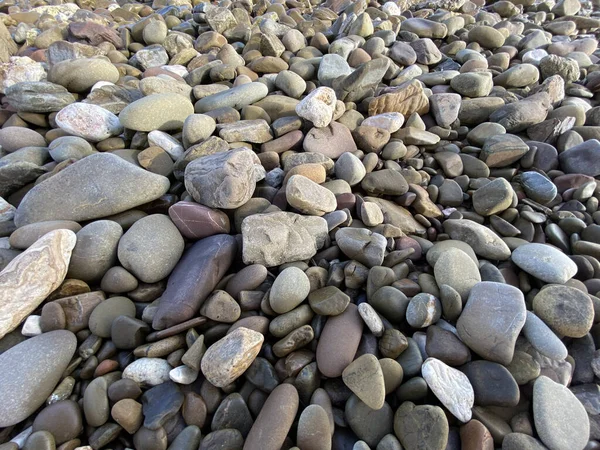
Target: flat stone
(30, 371)
(151, 248)
(224, 180)
(493, 384)
(30, 277)
(493, 197)
(160, 403)
(255, 131)
(275, 419)
(565, 309)
(544, 262)
(276, 238)
(484, 242)
(503, 306)
(196, 221)
(364, 377)
(422, 426)
(560, 419)
(339, 341)
(62, 419)
(450, 386)
(329, 301)
(236, 97)
(157, 112)
(73, 193)
(209, 259)
(404, 99)
(38, 96)
(502, 150)
(227, 359)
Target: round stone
(62, 419)
(289, 289)
(157, 112)
(423, 310)
(456, 269)
(103, 315)
(544, 262)
(566, 310)
(88, 121)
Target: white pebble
(31, 327)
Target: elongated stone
(208, 259)
(32, 276)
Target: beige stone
(32, 276)
(405, 100)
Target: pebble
(422, 425)
(148, 371)
(544, 262)
(364, 377)
(156, 112)
(308, 197)
(566, 310)
(88, 121)
(227, 359)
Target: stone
(224, 180)
(483, 241)
(486, 36)
(538, 187)
(493, 197)
(128, 414)
(43, 266)
(95, 403)
(289, 289)
(582, 158)
(474, 435)
(473, 84)
(30, 372)
(151, 248)
(364, 377)
(308, 197)
(163, 112)
(196, 221)
(544, 262)
(103, 315)
(565, 309)
(280, 237)
(350, 169)
(88, 121)
(209, 259)
(543, 338)
(445, 108)
(560, 419)
(450, 386)
(520, 115)
(339, 341)
(148, 371)
(79, 75)
(73, 193)
(255, 131)
(362, 245)
(313, 429)
(503, 306)
(227, 359)
(38, 96)
(422, 426)
(493, 384)
(62, 419)
(332, 141)
(456, 269)
(15, 138)
(502, 150)
(318, 106)
(404, 99)
(95, 250)
(423, 310)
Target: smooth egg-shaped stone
(30, 371)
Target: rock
(422, 426)
(276, 238)
(163, 112)
(148, 371)
(544, 262)
(582, 158)
(405, 99)
(362, 245)
(520, 115)
(73, 193)
(70, 147)
(456, 269)
(538, 187)
(15, 138)
(289, 289)
(196, 221)
(313, 429)
(95, 403)
(236, 97)
(38, 96)
(504, 308)
(332, 141)
(450, 386)
(338, 342)
(565, 309)
(473, 84)
(502, 150)
(30, 277)
(484, 242)
(543, 339)
(364, 377)
(308, 197)
(493, 384)
(253, 131)
(274, 420)
(62, 419)
(8, 47)
(128, 414)
(103, 315)
(88, 121)
(486, 36)
(560, 419)
(209, 259)
(31, 371)
(79, 75)
(445, 108)
(224, 180)
(493, 197)
(318, 106)
(350, 169)
(151, 248)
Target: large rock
(88, 121)
(276, 238)
(209, 260)
(96, 186)
(29, 278)
(492, 320)
(151, 248)
(405, 99)
(224, 180)
(30, 371)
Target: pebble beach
(300, 225)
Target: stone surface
(364, 377)
(157, 112)
(566, 310)
(544, 262)
(29, 278)
(422, 426)
(31, 371)
(90, 188)
(88, 121)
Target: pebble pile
(300, 225)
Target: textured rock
(224, 180)
(92, 187)
(450, 386)
(227, 359)
(364, 377)
(30, 371)
(38, 96)
(276, 238)
(88, 121)
(29, 278)
(405, 99)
